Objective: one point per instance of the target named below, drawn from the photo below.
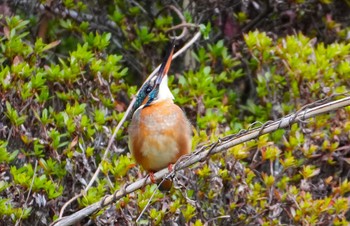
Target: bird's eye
(148, 89)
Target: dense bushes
(60, 100)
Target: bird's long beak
(164, 68)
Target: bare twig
(29, 192)
(183, 21)
(200, 155)
(172, 173)
(148, 203)
(181, 26)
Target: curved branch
(181, 26)
(183, 20)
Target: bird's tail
(166, 185)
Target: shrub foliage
(69, 70)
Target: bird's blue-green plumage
(146, 90)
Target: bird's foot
(151, 177)
(170, 167)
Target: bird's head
(156, 89)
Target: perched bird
(159, 132)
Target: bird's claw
(151, 177)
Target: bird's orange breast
(158, 135)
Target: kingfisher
(159, 132)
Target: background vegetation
(70, 68)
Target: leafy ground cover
(66, 80)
